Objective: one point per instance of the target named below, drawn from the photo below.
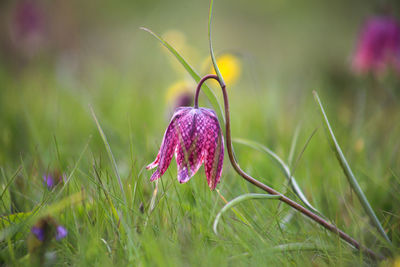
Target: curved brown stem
(270, 190)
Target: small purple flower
(52, 179)
(378, 45)
(48, 180)
(61, 232)
(38, 232)
(47, 228)
(194, 135)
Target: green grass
(107, 227)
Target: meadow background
(94, 54)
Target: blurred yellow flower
(396, 262)
(175, 38)
(390, 262)
(180, 93)
(178, 40)
(230, 67)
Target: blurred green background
(83, 54)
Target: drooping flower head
(194, 136)
(378, 46)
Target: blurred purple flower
(48, 180)
(47, 228)
(195, 136)
(38, 232)
(28, 19)
(53, 179)
(61, 232)
(378, 46)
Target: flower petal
(155, 175)
(214, 151)
(189, 150)
(48, 180)
(168, 146)
(38, 232)
(61, 232)
(154, 163)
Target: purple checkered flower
(378, 46)
(194, 135)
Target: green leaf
(10, 181)
(348, 172)
(110, 154)
(13, 219)
(236, 201)
(207, 91)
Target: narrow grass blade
(13, 219)
(113, 209)
(72, 171)
(110, 154)
(214, 61)
(152, 203)
(289, 247)
(299, 247)
(349, 174)
(207, 91)
(293, 183)
(153, 198)
(237, 213)
(236, 201)
(293, 145)
(10, 181)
